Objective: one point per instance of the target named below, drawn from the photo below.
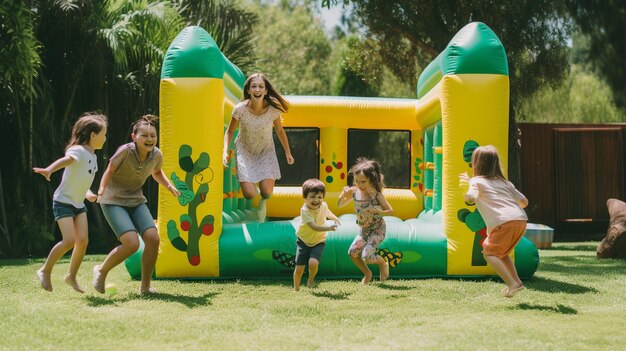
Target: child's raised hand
(464, 177)
(345, 191)
(290, 159)
(464, 181)
(173, 190)
(43, 171)
(225, 159)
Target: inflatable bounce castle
(210, 231)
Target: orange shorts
(503, 238)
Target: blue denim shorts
(63, 210)
(124, 219)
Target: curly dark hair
(371, 169)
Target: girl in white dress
(255, 115)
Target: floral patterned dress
(256, 155)
(373, 229)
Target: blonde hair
(87, 123)
(486, 162)
(272, 97)
(371, 169)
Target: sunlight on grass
(574, 301)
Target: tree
(534, 34)
(230, 26)
(350, 80)
(293, 50)
(19, 63)
(101, 55)
(582, 98)
(605, 24)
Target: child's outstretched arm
(386, 209)
(160, 178)
(345, 197)
(106, 177)
(54, 166)
(322, 228)
(228, 136)
(470, 191)
(334, 218)
(523, 203)
(282, 136)
(90, 196)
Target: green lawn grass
(573, 302)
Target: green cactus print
(468, 150)
(418, 164)
(197, 172)
(474, 221)
(393, 258)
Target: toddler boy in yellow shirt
(312, 231)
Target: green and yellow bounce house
(210, 231)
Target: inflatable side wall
(210, 231)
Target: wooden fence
(568, 173)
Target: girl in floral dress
(370, 205)
(255, 116)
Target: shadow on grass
(574, 247)
(340, 295)
(105, 300)
(553, 286)
(186, 300)
(577, 265)
(263, 282)
(388, 286)
(556, 309)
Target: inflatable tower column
(191, 138)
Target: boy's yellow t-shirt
(309, 236)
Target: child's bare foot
(384, 271)
(98, 280)
(311, 285)
(367, 278)
(73, 283)
(44, 279)
(296, 289)
(148, 291)
(511, 291)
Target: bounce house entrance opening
(304, 144)
(392, 148)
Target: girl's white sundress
(256, 155)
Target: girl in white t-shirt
(80, 163)
(501, 206)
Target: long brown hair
(272, 97)
(371, 169)
(486, 162)
(87, 123)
